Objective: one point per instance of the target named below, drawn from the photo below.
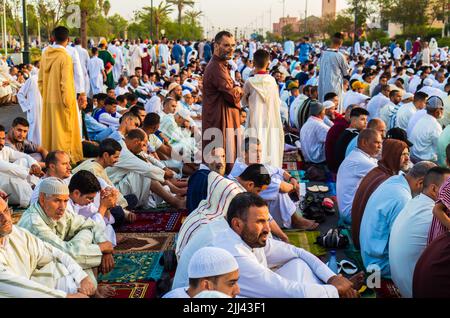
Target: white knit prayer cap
(328, 104)
(210, 262)
(428, 82)
(53, 186)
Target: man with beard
(83, 239)
(221, 99)
(44, 272)
(245, 234)
(198, 182)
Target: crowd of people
(204, 126)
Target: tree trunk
(83, 28)
(180, 9)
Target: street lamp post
(26, 49)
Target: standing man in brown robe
(221, 102)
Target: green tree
(180, 5)
(342, 23)
(160, 16)
(118, 25)
(287, 32)
(363, 9)
(405, 12)
(192, 17)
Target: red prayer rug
(143, 290)
(152, 222)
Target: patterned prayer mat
(134, 290)
(134, 267)
(292, 165)
(144, 242)
(154, 222)
(306, 240)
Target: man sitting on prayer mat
(109, 153)
(198, 182)
(220, 193)
(133, 174)
(281, 206)
(45, 271)
(210, 268)
(81, 238)
(267, 268)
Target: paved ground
(8, 113)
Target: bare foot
(300, 223)
(180, 202)
(105, 291)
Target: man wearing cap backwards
(45, 272)
(313, 134)
(262, 96)
(427, 131)
(210, 269)
(81, 238)
(221, 100)
(407, 111)
(267, 268)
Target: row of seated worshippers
(390, 203)
(242, 214)
(387, 200)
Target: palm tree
(88, 8)
(192, 16)
(181, 4)
(160, 14)
(106, 7)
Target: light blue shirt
(352, 146)
(409, 236)
(381, 211)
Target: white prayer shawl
(30, 100)
(354, 98)
(95, 67)
(404, 115)
(118, 58)
(121, 90)
(154, 105)
(77, 70)
(132, 175)
(221, 192)
(302, 275)
(91, 211)
(14, 175)
(45, 272)
(375, 104)
(164, 54)
(84, 60)
(135, 58)
(281, 206)
(262, 97)
(424, 138)
(333, 68)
